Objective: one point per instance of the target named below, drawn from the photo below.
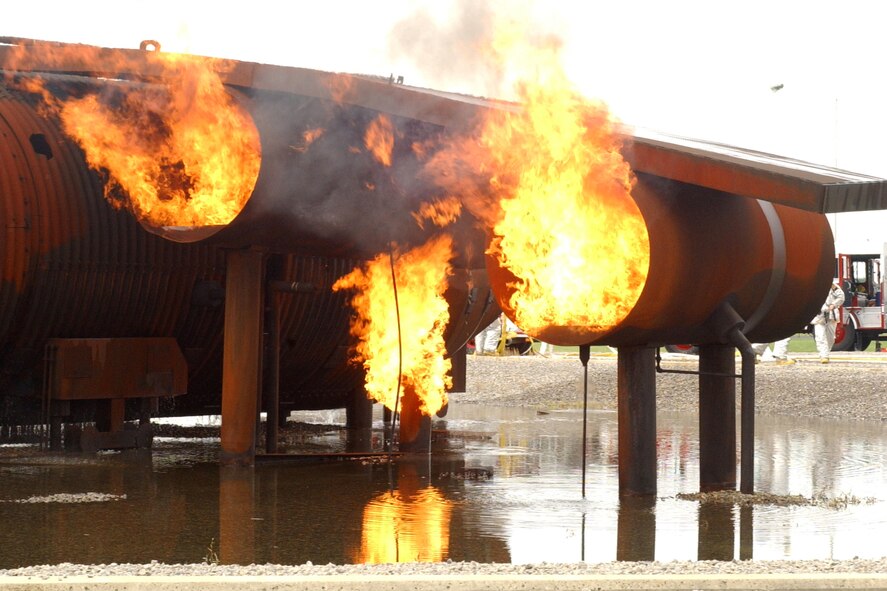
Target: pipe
(778, 258)
(727, 322)
(584, 355)
(271, 376)
(747, 413)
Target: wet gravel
(713, 567)
(852, 386)
(849, 388)
(88, 497)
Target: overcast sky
(702, 69)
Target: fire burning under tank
(385, 226)
(124, 243)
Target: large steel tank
(76, 267)
(770, 262)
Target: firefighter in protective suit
(487, 340)
(825, 323)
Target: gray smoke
(454, 54)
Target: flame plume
(548, 181)
(179, 152)
(379, 139)
(421, 276)
(441, 212)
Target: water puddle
(502, 485)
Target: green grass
(804, 343)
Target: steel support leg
(636, 391)
(717, 418)
(459, 370)
(272, 375)
(359, 422)
(241, 356)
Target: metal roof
(756, 174)
(718, 166)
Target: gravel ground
(851, 387)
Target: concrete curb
(450, 583)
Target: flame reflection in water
(422, 508)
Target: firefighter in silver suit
(825, 323)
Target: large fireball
(179, 151)
(569, 250)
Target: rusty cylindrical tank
(332, 196)
(772, 263)
(75, 267)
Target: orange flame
(421, 277)
(308, 138)
(441, 212)
(183, 152)
(555, 193)
(379, 139)
(412, 527)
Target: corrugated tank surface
(76, 267)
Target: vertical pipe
(717, 418)
(271, 366)
(240, 364)
(272, 373)
(636, 391)
(118, 414)
(55, 433)
(459, 370)
(584, 355)
(747, 416)
(359, 422)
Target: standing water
(502, 485)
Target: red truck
(862, 315)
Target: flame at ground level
(413, 357)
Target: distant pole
(584, 355)
(837, 138)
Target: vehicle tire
(845, 337)
(518, 346)
(864, 342)
(686, 349)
